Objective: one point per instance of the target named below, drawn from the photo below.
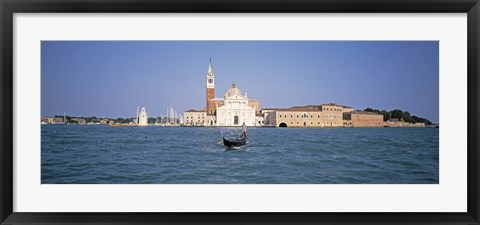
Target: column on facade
(226, 113)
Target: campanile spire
(210, 70)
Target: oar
(220, 142)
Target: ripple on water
(183, 155)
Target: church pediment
(237, 97)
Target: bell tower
(210, 85)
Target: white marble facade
(235, 110)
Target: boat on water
(242, 140)
(234, 143)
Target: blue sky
(112, 78)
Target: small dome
(233, 91)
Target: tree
(414, 119)
(396, 114)
(386, 115)
(372, 110)
(399, 114)
(152, 120)
(406, 116)
(92, 119)
(122, 120)
(422, 120)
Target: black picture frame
(9, 7)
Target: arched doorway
(282, 124)
(304, 124)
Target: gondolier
(244, 131)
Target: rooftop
(233, 91)
(333, 104)
(367, 113)
(310, 108)
(195, 110)
(300, 108)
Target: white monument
(143, 117)
(235, 110)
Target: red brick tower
(210, 87)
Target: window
(235, 120)
(210, 81)
(291, 116)
(297, 116)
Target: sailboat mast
(168, 115)
(136, 119)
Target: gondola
(234, 143)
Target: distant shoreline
(153, 125)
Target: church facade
(233, 109)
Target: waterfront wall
(366, 120)
(403, 124)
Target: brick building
(365, 119)
(325, 115)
